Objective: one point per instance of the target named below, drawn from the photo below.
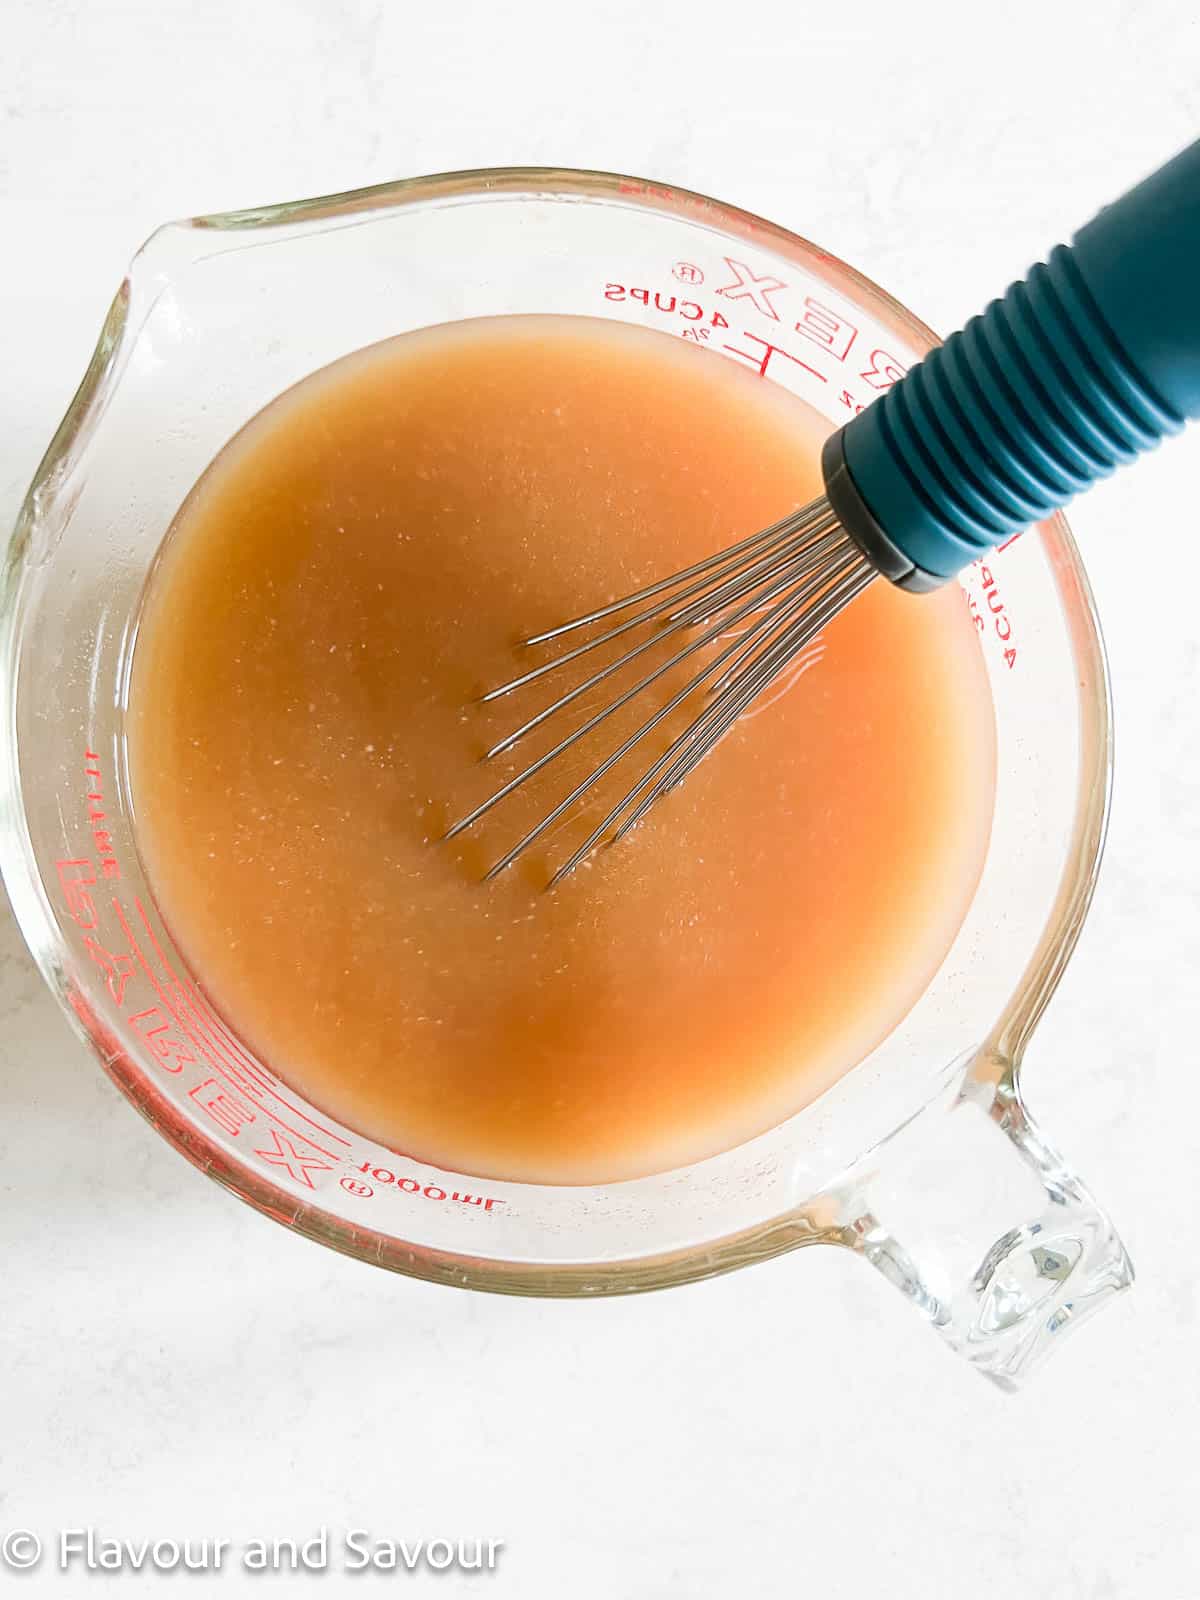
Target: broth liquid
(351, 571)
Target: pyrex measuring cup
(923, 1159)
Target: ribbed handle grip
(1087, 362)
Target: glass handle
(974, 1216)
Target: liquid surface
(350, 572)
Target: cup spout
(974, 1216)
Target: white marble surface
(172, 1364)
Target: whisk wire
(699, 738)
(786, 525)
(731, 589)
(773, 592)
(703, 735)
(598, 772)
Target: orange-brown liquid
(352, 569)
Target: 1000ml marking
(429, 1191)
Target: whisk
(1091, 359)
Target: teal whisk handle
(1091, 359)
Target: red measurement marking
(996, 613)
(212, 1027)
(999, 613)
(687, 272)
(162, 1039)
(176, 1001)
(355, 1186)
(750, 285)
(226, 1109)
(194, 1005)
(429, 1191)
(884, 370)
(176, 1006)
(215, 1029)
(97, 816)
(75, 878)
(664, 301)
(1011, 540)
(827, 328)
(298, 1164)
(851, 403)
(118, 967)
(763, 361)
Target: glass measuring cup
(923, 1160)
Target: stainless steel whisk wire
(773, 592)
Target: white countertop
(172, 1364)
